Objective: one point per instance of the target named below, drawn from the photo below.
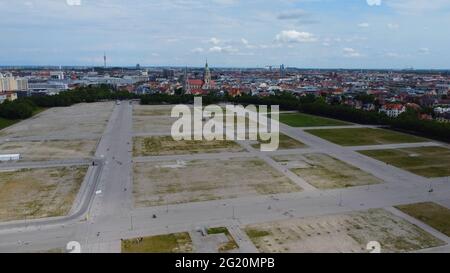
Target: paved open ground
(124, 196)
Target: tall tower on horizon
(207, 77)
(104, 60)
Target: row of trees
(79, 95)
(408, 121)
(18, 109)
(24, 107)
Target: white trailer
(11, 157)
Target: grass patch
(155, 146)
(256, 233)
(7, 122)
(431, 214)
(340, 233)
(286, 143)
(425, 161)
(230, 245)
(39, 193)
(170, 243)
(364, 136)
(326, 172)
(305, 120)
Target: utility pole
(131, 222)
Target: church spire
(207, 77)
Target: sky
(394, 34)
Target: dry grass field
(326, 172)
(202, 180)
(346, 233)
(156, 146)
(50, 150)
(38, 193)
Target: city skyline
(374, 34)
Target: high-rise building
(282, 71)
(10, 83)
(168, 73)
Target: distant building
(393, 110)
(10, 83)
(57, 75)
(201, 86)
(168, 73)
(282, 71)
(48, 87)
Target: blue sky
(237, 33)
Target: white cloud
(351, 53)
(374, 2)
(393, 26)
(214, 41)
(392, 55)
(293, 36)
(198, 50)
(226, 50)
(424, 50)
(418, 6)
(292, 15)
(364, 25)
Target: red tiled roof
(393, 106)
(195, 82)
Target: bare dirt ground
(152, 110)
(83, 120)
(155, 146)
(325, 172)
(38, 193)
(50, 150)
(201, 180)
(153, 124)
(341, 233)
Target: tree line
(310, 104)
(24, 107)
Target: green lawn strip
(364, 136)
(7, 122)
(305, 120)
(286, 143)
(169, 243)
(431, 214)
(425, 161)
(230, 245)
